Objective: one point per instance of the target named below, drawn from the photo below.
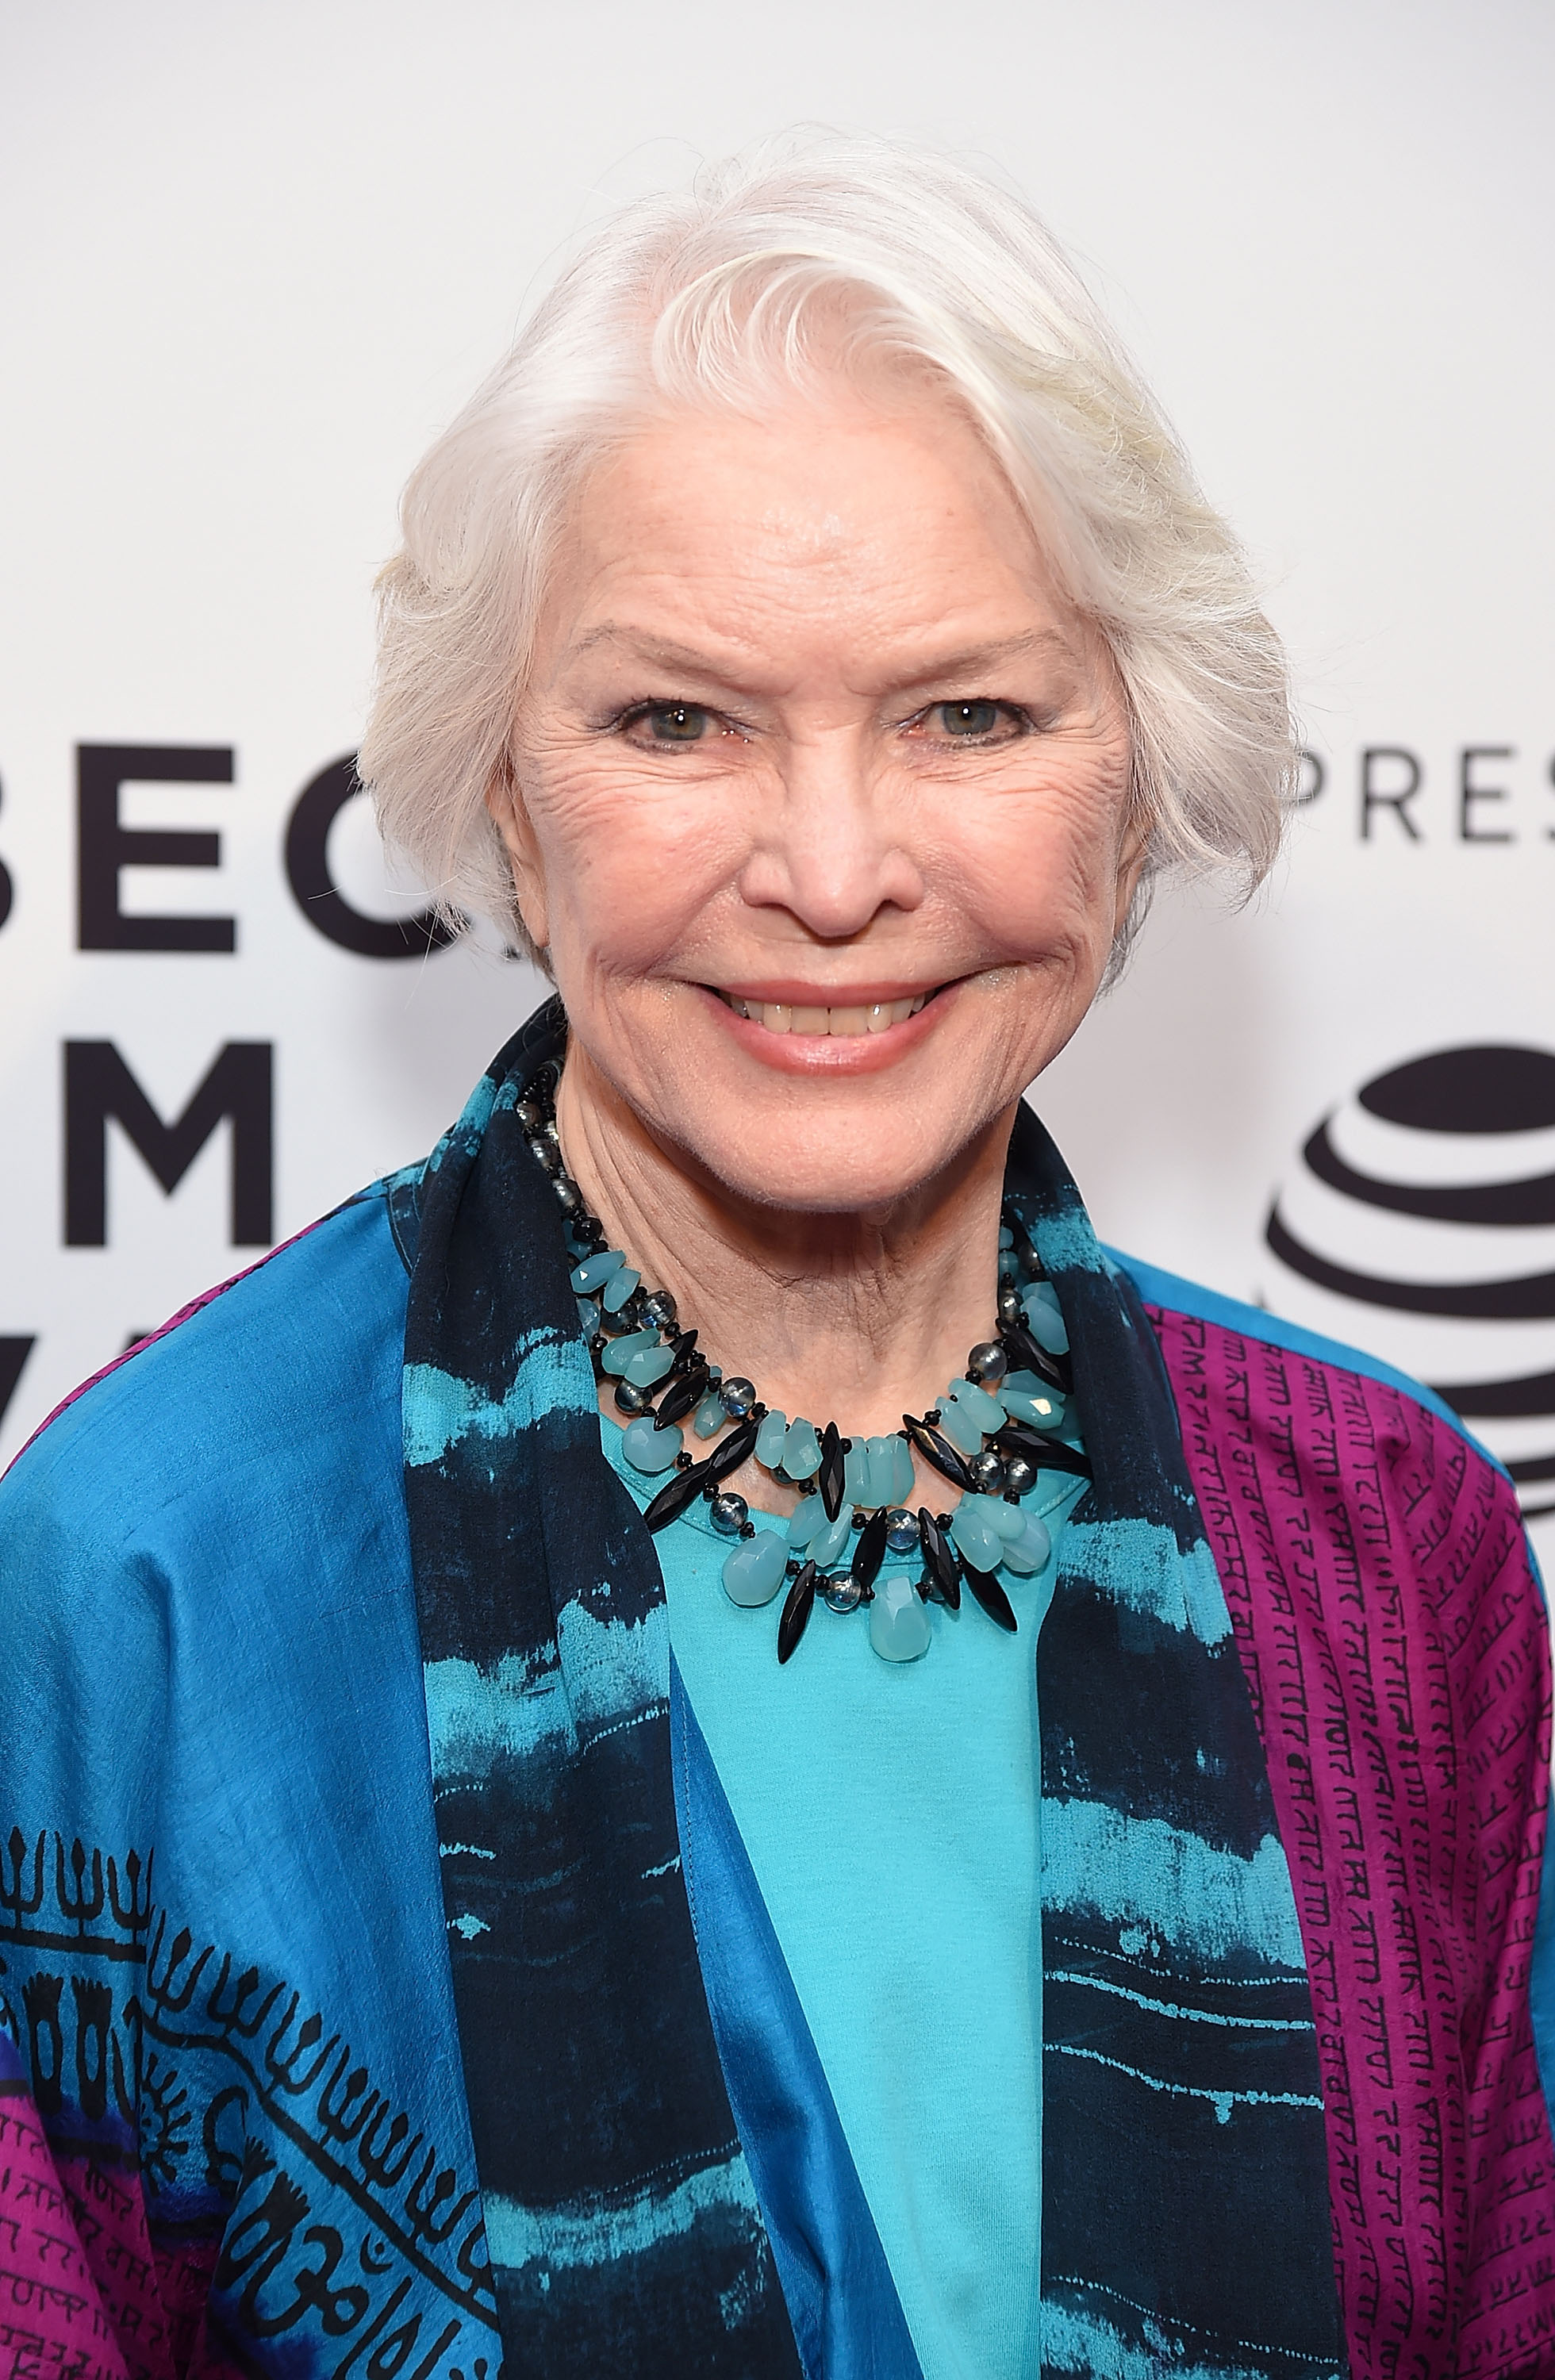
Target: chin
(828, 1173)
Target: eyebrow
(965, 663)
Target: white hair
(726, 293)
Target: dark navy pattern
(621, 2217)
(1185, 2221)
(1183, 2120)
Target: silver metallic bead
(988, 1472)
(546, 1153)
(728, 1512)
(531, 1115)
(900, 1531)
(1010, 1306)
(736, 1396)
(1020, 1475)
(843, 1593)
(987, 1363)
(658, 1309)
(569, 1197)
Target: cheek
(1040, 872)
(630, 870)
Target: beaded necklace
(992, 1431)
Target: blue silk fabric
(440, 2004)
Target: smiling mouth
(779, 1016)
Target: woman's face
(819, 795)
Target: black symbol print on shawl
(115, 2013)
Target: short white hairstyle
(723, 296)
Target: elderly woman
(695, 1738)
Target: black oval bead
(945, 1575)
(680, 1489)
(937, 1450)
(1047, 1453)
(737, 1447)
(1025, 1354)
(985, 1589)
(797, 1612)
(832, 1478)
(870, 1552)
(680, 1394)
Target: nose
(832, 844)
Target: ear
(1132, 845)
(510, 816)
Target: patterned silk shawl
(1182, 2103)
(234, 2132)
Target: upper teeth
(779, 1017)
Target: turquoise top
(891, 1810)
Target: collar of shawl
(618, 2200)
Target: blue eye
(676, 723)
(972, 719)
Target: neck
(856, 1317)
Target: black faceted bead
(737, 1447)
(680, 1489)
(684, 1391)
(832, 1478)
(985, 1589)
(870, 1552)
(937, 1450)
(797, 1612)
(941, 1567)
(1047, 1453)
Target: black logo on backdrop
(1458, 1095)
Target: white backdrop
(252, 259)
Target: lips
(840, 1022)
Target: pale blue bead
(1006, 1521)
(649, 1365)
(594, 1271)
(809, 1516)
(905, 1482)
(882, 1472)
(801, 1452)
(977, 1405)
(770, 1440)
(648, 1448)
(1006, 1237)
(981, 1544)
(753, 1573)
(709, 1418)
(1044, 1318)
(1029, 1551)
(1009, 1264)
(959, 1427)
(899, 1629)
(619, 1352)
(618, 1289)
(856, 1472)
(587, 1317)
(1048, 1329)
(829, 1544)
(1042, 1411)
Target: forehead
(843, 508)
